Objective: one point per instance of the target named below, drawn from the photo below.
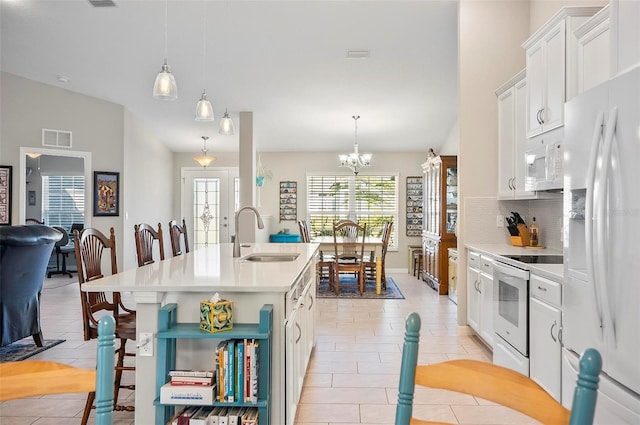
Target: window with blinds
(63, 200)
(366, 199)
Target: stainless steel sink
(270, 257)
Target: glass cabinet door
(452, 198)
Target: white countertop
(551, 271)
(213, 269)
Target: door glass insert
(206, 211)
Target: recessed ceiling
(285, 61)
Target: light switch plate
(499, 220)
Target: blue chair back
(467, 379)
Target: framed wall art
(414, 206)
(106, 193)
(5, 195)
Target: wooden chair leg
(119, 368)
(38, 339)
(87, 408)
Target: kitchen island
(190, 278)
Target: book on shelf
(184, 380)
(201, 417)
(192, 373)
(237, 371)
(235, 415)
(223, 416)
(250, 416)
(214, 417)
(183, 417)
(187, 394)
(230, 371)
(254, 372)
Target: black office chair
(62, 250)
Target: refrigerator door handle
(590, 213)
(603, 216)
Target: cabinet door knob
(542, 288)
(551, 331)
(542, 116)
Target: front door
(207, 206)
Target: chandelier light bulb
(355, 161)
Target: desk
(327, 245)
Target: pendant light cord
(204, 43)
(166, 29)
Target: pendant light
(205, 159)
(226, 125)
(165, 87)
(355, 161)
(204, 110)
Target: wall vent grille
(102, 3)
(56, 138)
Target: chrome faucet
(236, 239)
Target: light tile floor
(353, 373)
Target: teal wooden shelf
(192, 331)
(169, 330)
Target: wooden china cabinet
(440, 217)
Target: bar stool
(417, 264)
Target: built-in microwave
(544, 165)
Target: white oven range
(511, 316)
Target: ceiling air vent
(357, 54)
(56, 138)
(102, 3)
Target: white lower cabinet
(480, 296)
(300, 337)
(545, 323)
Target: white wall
(100, 127)
(490, 35)
(148, 167)
(295, 166)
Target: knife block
(523, 239)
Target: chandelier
(205, 159)
(355, 161)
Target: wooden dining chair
(495, 383)
(324, 261)
(348, 242)
(32, 378)
(90, 245)
(145, 236)
(177, 232)
(370, 263)
(33, 221)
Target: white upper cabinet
(512, 139)
(551, 68)
(625, 35)
(594, 51)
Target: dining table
(327, 244)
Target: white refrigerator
(601, 290)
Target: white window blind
(63, 200)
(366, 199)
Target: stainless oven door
(511, 301)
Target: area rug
(349, 289)
(59, 282)
(24, 349)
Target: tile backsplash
(480, 219)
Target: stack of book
(237, 371)
(189, 387)
(219, 415)
(192, 377)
